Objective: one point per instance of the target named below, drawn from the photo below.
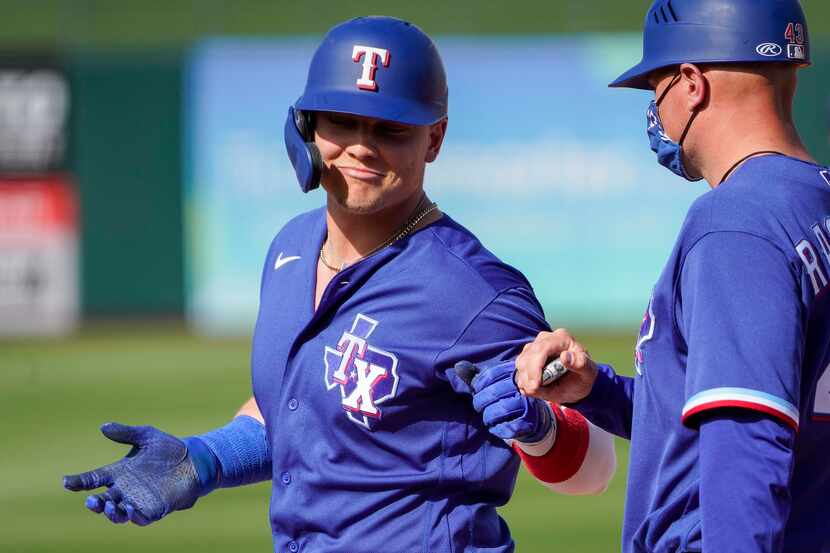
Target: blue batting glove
(506, 413)
(159, 475)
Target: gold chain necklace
(407, 228)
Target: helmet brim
(398, 110)
(636, 77)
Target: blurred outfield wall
(127, 150)
(126, 155)
(126, 59)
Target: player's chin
(363, 199)
(365, 209)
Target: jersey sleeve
(746, 460)
(497, 333)
(581, 459)
(740, 312)
(610, 404)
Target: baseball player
(729, 410)
(372, 440)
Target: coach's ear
(461, 377)
(437, 131)
(695, 85)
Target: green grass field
(54, 395)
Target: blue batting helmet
(719, 31)
(379, 67)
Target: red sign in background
(39, 292)
(37, 206)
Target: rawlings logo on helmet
(370, 57)
(769, 49)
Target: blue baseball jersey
(372, 449)
(739, 318)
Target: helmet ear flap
(302, 151)
(305, 124)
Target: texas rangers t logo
(366, 375)
(370, 56)
(646, 334)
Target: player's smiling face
(371, 164)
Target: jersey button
(293, 404)
(286, 478)
(293, 547)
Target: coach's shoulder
(731, 208)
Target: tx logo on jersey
(646, 334)
(366, 376)
(371, 56)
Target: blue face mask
(669, 153)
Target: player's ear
(437, 131)
(695, 85)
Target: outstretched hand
(159, 475)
